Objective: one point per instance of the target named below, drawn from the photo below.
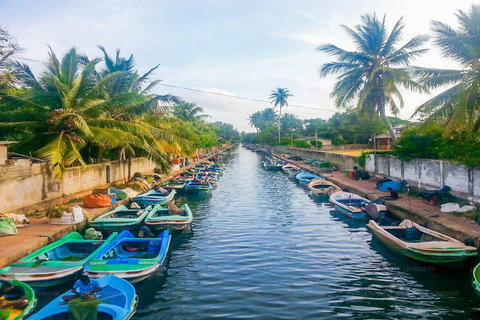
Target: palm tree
(279, 98)
(371, 74)
(68, 108)
(8, 48)
(291, 124)
(254, 120)
(457, 108)
(189, 111)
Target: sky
(243, 48)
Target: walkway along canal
(259, 247)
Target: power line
(241, 98)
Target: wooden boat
(306, 177)
(420, 243)
(197, 187)
(118, 294)
(354, 206)
(291, 170)
(121, 218)
(321, 187)
(130, 258)
(19, 314)
(55, 263)
(161, 219)
(153, 197)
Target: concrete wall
(340, 160)
(429, 174)
(3, 154)
(22, 186)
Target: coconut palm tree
(279, 99)
(254, 120)
(372, 73)
(68, 108)
(457, 108)
(189, 111)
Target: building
(4, 151)
(384, 141)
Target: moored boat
(291, 170)
(174, 184)
(322, 187)
(420, 243)
(118, 296)
(163, 218)
(55, 263)
(12, 313)
(130, 258)
(306, 177)
(272, 166)
(197, 187)
(153, 197)
(121, 218)
(355, 206)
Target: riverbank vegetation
(81, 110)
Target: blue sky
(242, 48)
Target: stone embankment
(407, 207)
(41, 232)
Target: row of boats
(406, 237)
(120, 258)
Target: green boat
(420, 243)
(121, 218)
(10, 313)
(160, 219)
(176, 184)
(130, 258)
(476, 279)
(55, 263)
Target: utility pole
(316, 141)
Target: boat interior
(412, 235)
(164, 213)
(126, 214)
(353, 202)
(73, 251)
(135, 249)
(66, 316)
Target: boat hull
(351, 214)
(429, 255)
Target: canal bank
(40, 232)
(407, 207)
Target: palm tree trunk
(381, 111)
(279, 117)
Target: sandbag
(70, 217)
(96, 201)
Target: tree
(263, 119)
(279, 99)
(457, 108)
(69, 107)
(291, 125)
(8, 48)
(371, 74)
(189, 111)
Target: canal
(259, 247)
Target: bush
(316, 143)
(339, 141)
(325, 164)
(301, 144)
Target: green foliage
(300, 144)
(57, 212)
(325, 164)
(429, 142)
(316, 144)
(339, 141)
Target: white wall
(428, 174)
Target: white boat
(420, 243)
(321, 187)
(355, 206)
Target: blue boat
(306, 177)
(118, 294)
(130, 258)
(152, 198)
(197, 187)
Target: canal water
(260, 247)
